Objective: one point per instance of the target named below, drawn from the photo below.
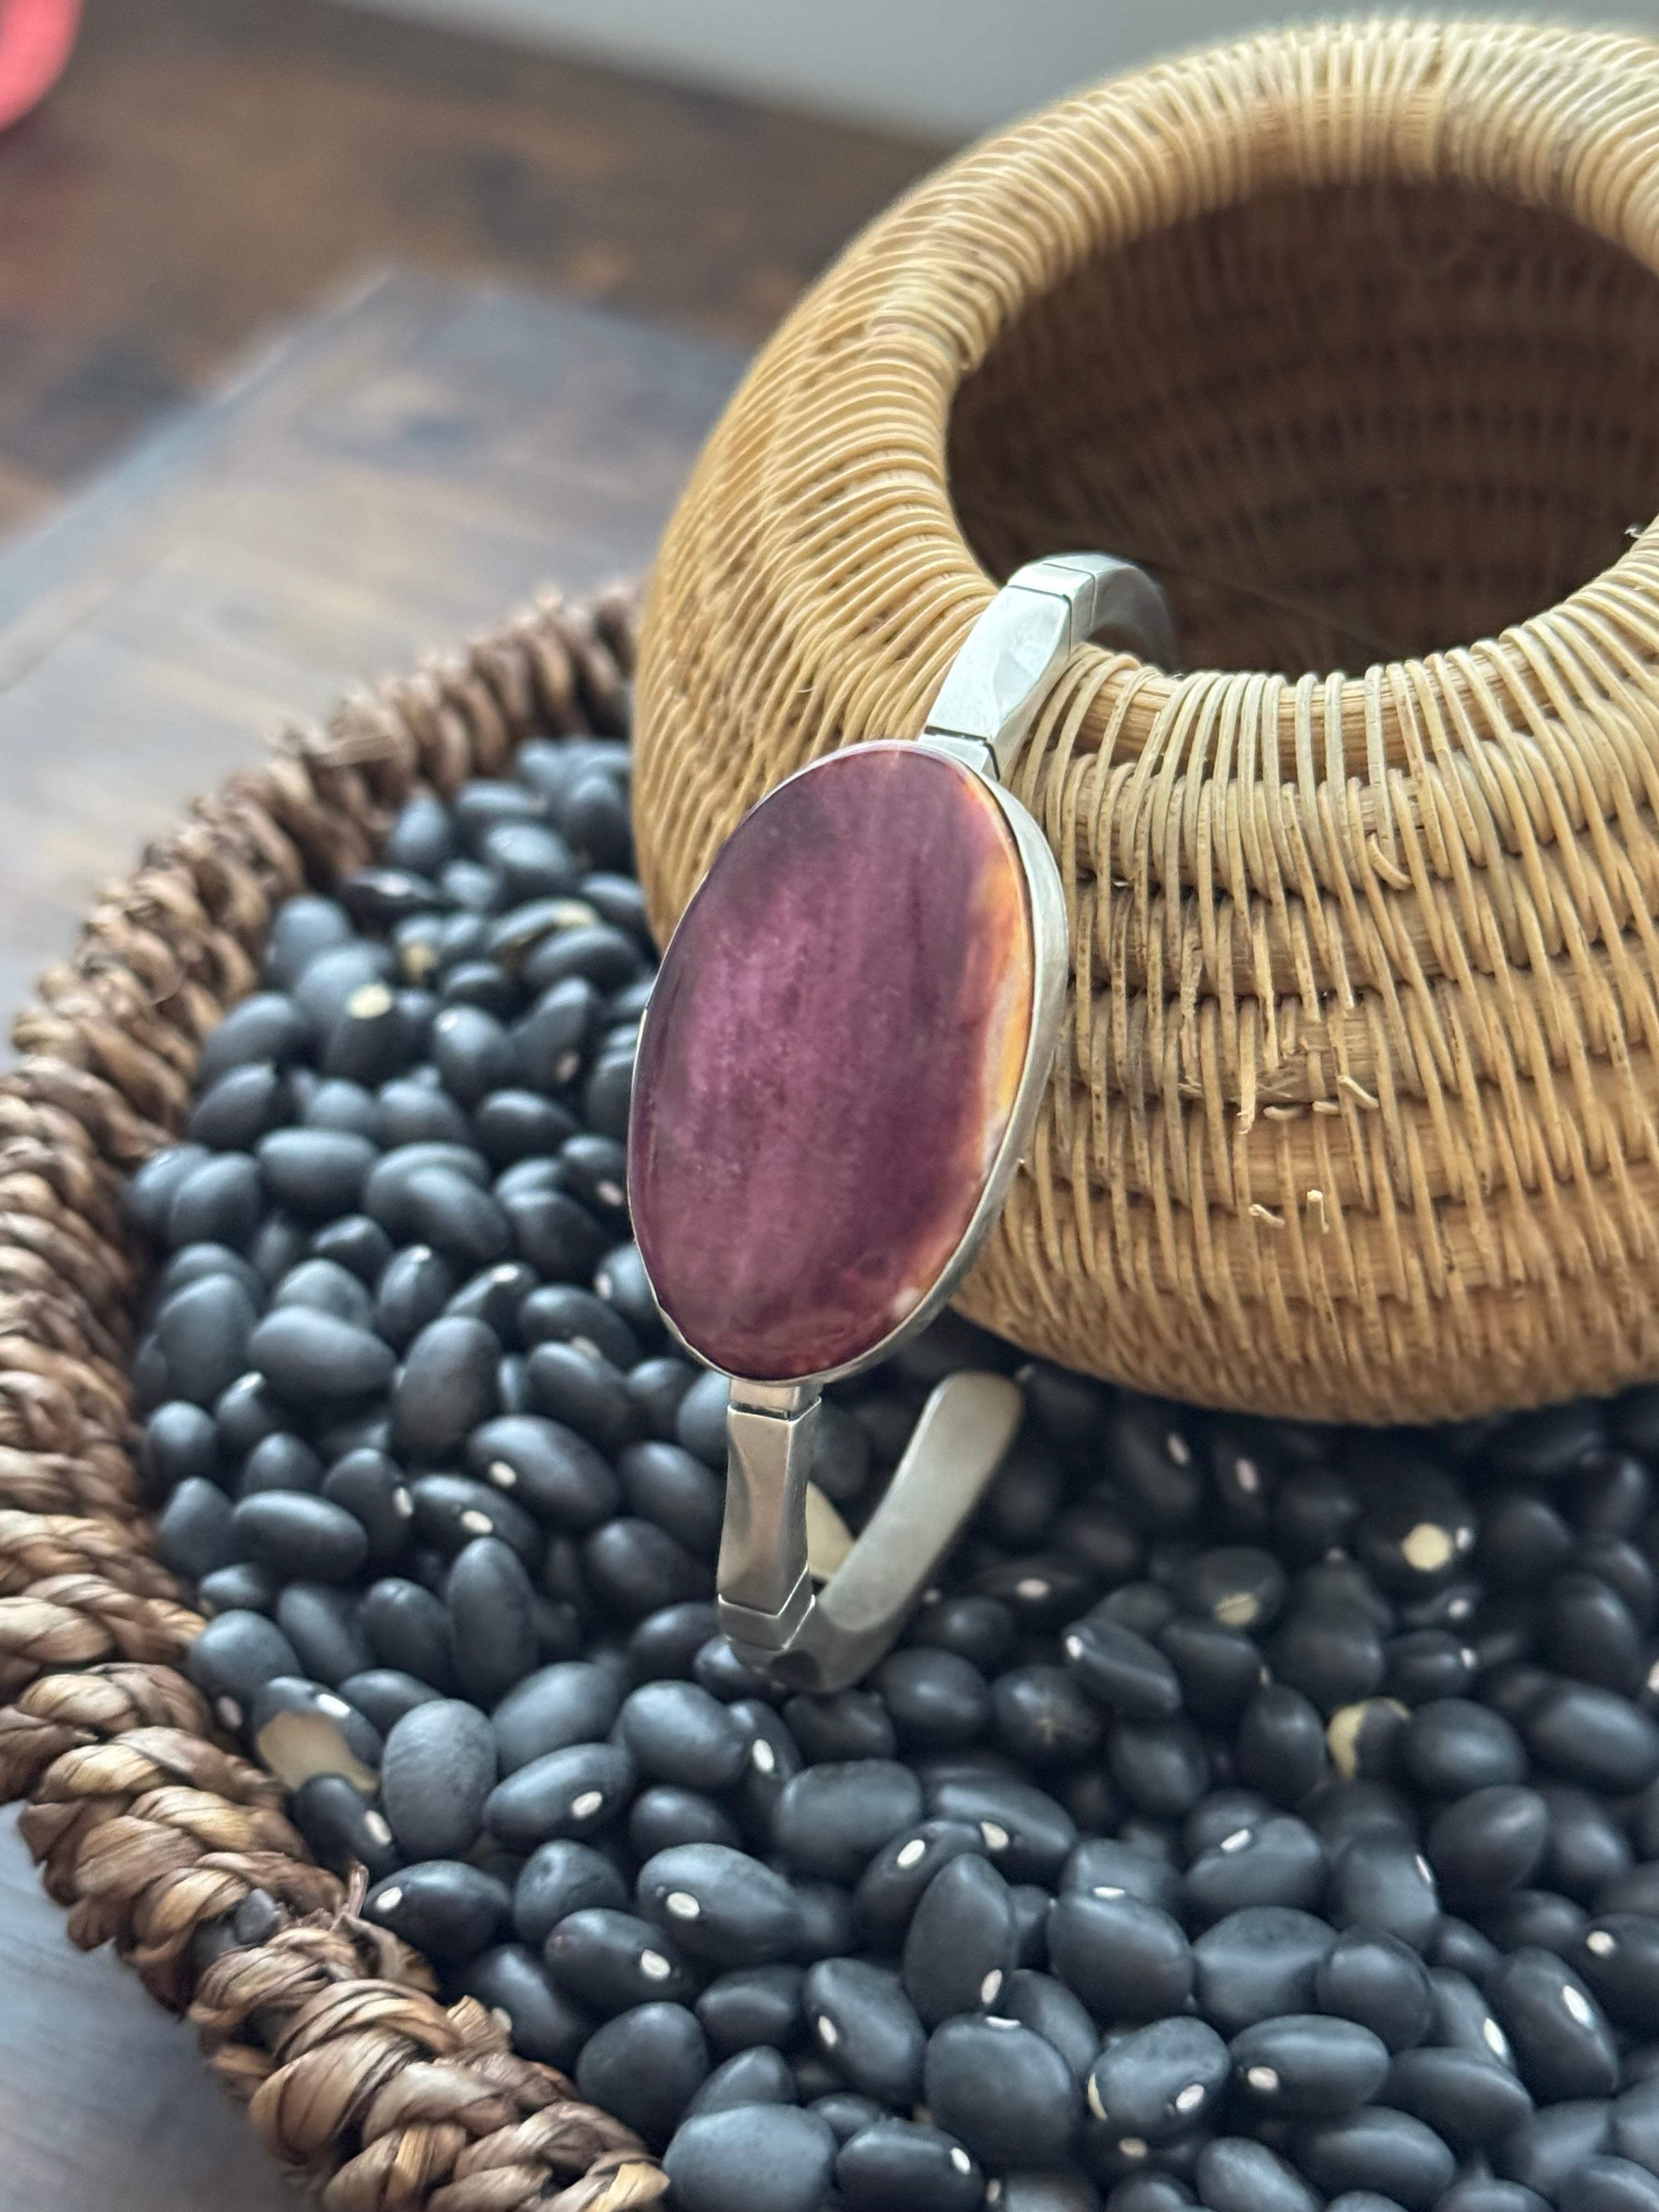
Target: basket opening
(1345, 425)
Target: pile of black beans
(1254, 1815)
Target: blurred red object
(36, 37)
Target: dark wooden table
(403, 468)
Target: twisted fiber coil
(1352, 334)
(144, 1824)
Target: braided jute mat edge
(145, 1824)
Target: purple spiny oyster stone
(830, 1059)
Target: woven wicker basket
(1353, 334)
(147, 1826)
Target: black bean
(826, 1913)
(1380, 1981)
(302, 928)
(410, 1630)
(342, 1829)
(443, 1907)
(978, 1629)
(1610, 2185)
(1634, 2124)
(572, 1702)
(316, 1173)
(444, 1208)
(325, 1626)
(1003, 2090)
(556, 1234)
(598, 954)
(554, 1037)
(1461, 1948)
(1334, 1656)
(960, 1948)
(1425, 1663)
(663, 1484)
(620, 1282)
(560, 1878)
(1553, 2143)
(644, 2067)
(720, 1906)
(752, 2005)
(279, 1462)
(266, 1028)
(233, 1657)
(1122, 1669)
(1538, 1917)
(282, 1241)
(936, 1700)
(893, 1881)
(203, 1332)
(611, 1960)
(1042, 1591)
(1562, 2042)
(574, 1792)
(1452, 1745)
(851, 1725)
(1105, 1867)
(232, 1113)
(492, 1618)
(1158, 2081)
(1219, 1670)
(1160, 1767)
(593, 816)
(1490, 1841)
(509, 1982)
(415, 1113)
(1384, 1881)
(1591, 1736)
(1126, 1958)
(608, 1093)
(1027, 1834)
(1276, 1861)
(761, 2158)
(445, 1387)
(1470, 2102)
(1258, 1963)
(1280, 1746)
(384, 1694)
(181, 1441)
(301, 1729)
(699, 1425)
(1147, 2189)
(1308, 2065)
(414, 1290)
(895, 2165)
(665, 1645)
(493, 1297)
(1234, 2174)
(1617, 1959)
(421, 838)
(470, 884)
(552, 1472)
(576, 1384)
(831, 1821)
(560, 1313)
(293, 1533)
(473, 1053)
(310, 1356)
(759, 2076)
(244, 1588)
(369, 1484)
(662, 1816)
(636, 1568)
(480, 984)
(328, 1288)
(1378, 2147)
(1463, 2018)
(1480, 2194)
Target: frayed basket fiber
(1352, 334)
(153, 1833)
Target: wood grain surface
(401, 470)
(208, 167)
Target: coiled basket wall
(1352, 335)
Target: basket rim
(145, 1823)
(1554, 116)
